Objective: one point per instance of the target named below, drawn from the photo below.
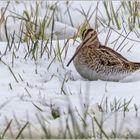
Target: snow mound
(134, 77)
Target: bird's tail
(136, 66)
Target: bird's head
(88, 35)
(89, 38)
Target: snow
(38, 89)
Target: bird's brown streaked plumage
(94, 61)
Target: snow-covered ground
(34, 90)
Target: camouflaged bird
(95, 61)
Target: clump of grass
(32, 32)
(117, 16)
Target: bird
(94, 61)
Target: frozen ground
(30, 90)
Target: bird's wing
(114, 52)
(109, 57)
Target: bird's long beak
(75, 54)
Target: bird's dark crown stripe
(86, 32)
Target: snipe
(94, 61)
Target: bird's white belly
(90, 74)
